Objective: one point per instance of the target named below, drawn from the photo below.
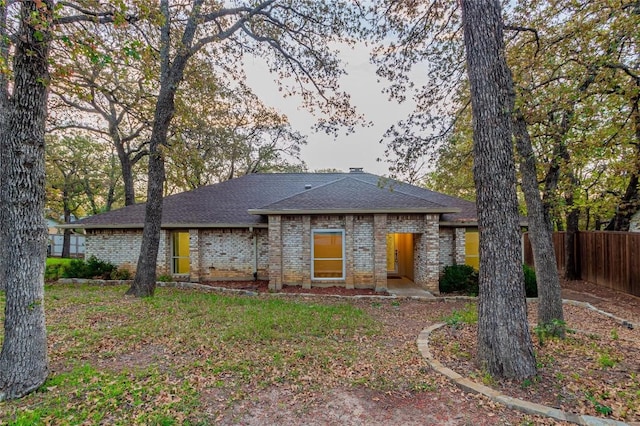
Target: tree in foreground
(23, 359)
(504, 342)
(25, 40)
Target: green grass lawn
(57, 261)
(122, 360)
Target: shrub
(530, 284)
(91, 268)
(458, 278)
(465, 279)
(77, 268)
(120, 274)
(54, 271)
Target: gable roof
(244, 201)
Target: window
(472, 248)
(327, 252)
(180, 253)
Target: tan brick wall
(446, 247)
(405, 224)
(460, 247)
(275, 252)
(427, 255)
(380, 252)
(284, 249)
(363, 254)
(225, 253)
(293, 262)
(122, 247)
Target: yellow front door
(392, 254)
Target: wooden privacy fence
(609, 259)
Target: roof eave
(422, 210)
(165, 225)
(460, 223)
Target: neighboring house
(310, 229)
(56, 240)
(634, 224)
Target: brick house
(310, 229)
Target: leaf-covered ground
(189, 357)
(595, 370)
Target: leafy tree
(81, 179)
(572, 103)
(295, 35)
(221, 132)
(575, 68)
(504, 342)
(102, 84)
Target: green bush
(91, 268)
(54, 271)
(464, 278)
(530, 284)
(459, 278)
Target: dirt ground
(440, 403)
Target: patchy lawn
(189, 357)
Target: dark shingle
(351, 194)
(228, 203)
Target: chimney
(356, 170)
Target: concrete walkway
(404, 287)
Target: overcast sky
(359, 149)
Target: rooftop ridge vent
(307, 186)
(356, 169)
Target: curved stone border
(496, 396)
(630, 325)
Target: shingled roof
(245, 201)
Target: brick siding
(122, 247)
(284, 249)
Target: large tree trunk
(23, 359)
(4, 108)
(504, 342)
(540, 231)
